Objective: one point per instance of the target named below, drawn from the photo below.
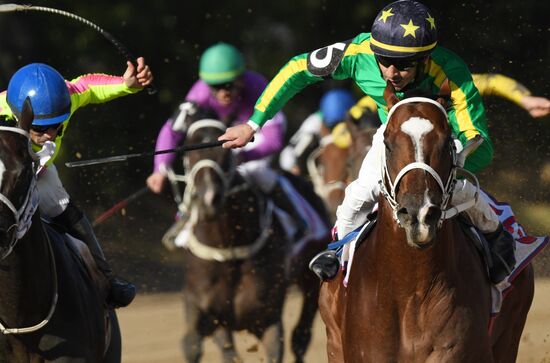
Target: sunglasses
(225, 86)
(400, 64)
(44, 128)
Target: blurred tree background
(507, 37)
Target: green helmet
(221, 63)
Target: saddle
(80, 251)
(59, 238)
(346, 246)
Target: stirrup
(325, 265)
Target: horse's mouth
(420, 236)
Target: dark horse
(418, 290)
(51, 308)
(234, 268)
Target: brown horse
(418, 290)
(234, 268)
(332, 167)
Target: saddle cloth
(527, 247)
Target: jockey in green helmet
(220, 64)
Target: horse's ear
(389, 95)
(27, 115)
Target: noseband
(23, 215)
(446, 189)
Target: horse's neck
(410, 267)
(26, 279)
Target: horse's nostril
(433, 214)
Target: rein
(26, 211)
(446, 189)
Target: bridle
(23, 220)
(23, 215)
(225, 176)
(446, 188)
(194, 245)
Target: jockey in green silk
(402, 50)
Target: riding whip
(123, 50)
(110, 159)
(123, 203)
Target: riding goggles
(223, 86)
(401, 64)
(44, 128)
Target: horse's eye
(388, 148)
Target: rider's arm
(167, 139)
(467, 114)
(303, 70)
(5, 110)
(268, 141)
(501, 86)
(97, 88)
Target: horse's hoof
(325, 265)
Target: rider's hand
(536, 106)
(237, 136)
(137, 77)
(155, 182)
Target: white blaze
(416, 128)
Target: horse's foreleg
(192, 338)
(273, 342)
(511, 320)
(329, 308)
(224, 340)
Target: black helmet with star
(403, 29)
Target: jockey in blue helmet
(47, 91)
(53, 101)
(335, 105)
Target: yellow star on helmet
(410, 29)
(385, 15)
(431, 21)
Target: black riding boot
(282, 201)
(121, 292)
(502, 246)
(325, 265)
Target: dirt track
(152, 328)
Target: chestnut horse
(332, 167)
(235, 257)
(418, 290)
(52, 304)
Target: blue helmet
(335, 105)
(403, 29)
(46, 90)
